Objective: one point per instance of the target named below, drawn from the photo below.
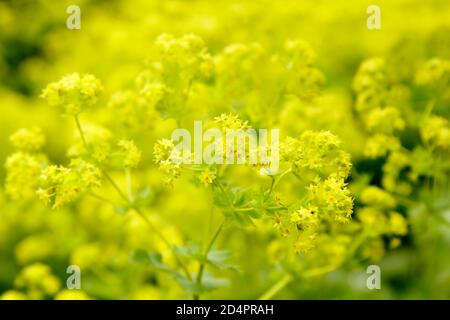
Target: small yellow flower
(207, 177)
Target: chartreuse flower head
(318, 152)
(74, 93)
(435, 131)
(129, 153)
(167, 160)
(377, 197)
(187, 54)
(321, 166)
(300, 52)
(59, 185)
(28, 139)
(207, 177)
(435, 72)
(333, 199)
(384, 120)
(23, 167)
(98, 146)
(230, 121)
(37, 281)
(178, 64)
(22, 173)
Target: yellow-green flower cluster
(207, 177)
(322, 166)
(135, 111)
(370, 84)
(59, 185)
(392, 181)
(178, 63)
(380, 144)
(384, 120)
(230, 122)
(435, 72)
(304, 80)
(74, 93)
(153, 95)
(37, 281)
(130, 153)
(187, 54)
(305, 218)
(99, 143)
(99, 147)
(333, 199)
(376, 222)
(28, 139)
(236, 67)
(165, 157)
(259, 92)
(435, 132)
(23, 171)
(254, 74)
(316, 153)
(23, 167)
(375, 93)
(377, 197)
(379, 218)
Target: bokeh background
(115, 41)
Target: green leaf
(153, 259)
(193, 251)
(140, 256)
(215, 258)
(210, 283)
(218, 259)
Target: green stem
(274, 184)
(138, 210)
(267, 208)
(80, 130)
(150, 225)
(201, 268)
(429, 108)
(115, 186)
(277, 287)
(220, 186)
(243, 209)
